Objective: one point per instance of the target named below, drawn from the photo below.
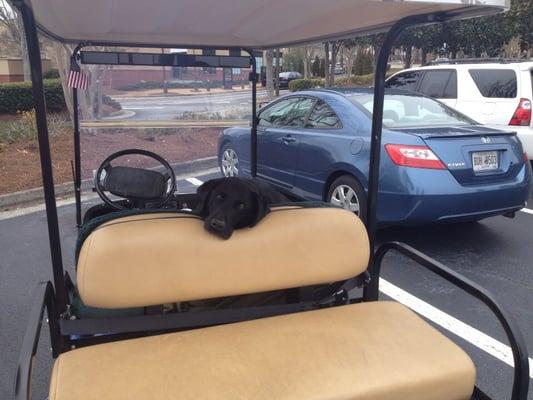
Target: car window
(440, 84)
(323, 117)
(405, 80)
(496, 83)
(278, 113)
(402, 111)
(299, 112)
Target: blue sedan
(437, 165)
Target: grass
(23, 126)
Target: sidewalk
(217, 123)
(178, 92)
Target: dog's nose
(218, 224)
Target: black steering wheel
(142, 188)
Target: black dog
(232, 203)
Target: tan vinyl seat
(368, 351)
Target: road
(496, 253)
(171, 107)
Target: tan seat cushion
(161, 258)
(370, 351)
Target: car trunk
(474, 155)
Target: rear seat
(371, 351)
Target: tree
(335, 47)
(294, 59)
(478, 36)
(268, 56)
(62, 54)
(520, 18)
(315, 67)
(326, 64)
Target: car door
(323, 143)
(279, 131)
(441, 84)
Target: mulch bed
(20, 164)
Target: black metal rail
(518, 346)
(253, 133)
(377, 114)
(43, 297)
(34, 55)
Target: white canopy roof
(240, 23)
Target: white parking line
(194, 181)
(472, 335)
(527, 210)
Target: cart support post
(253, 138)
(77, 156)
(34, 56)
(377, 115)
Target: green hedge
(355, 81)
(304, 84)
(17, 97)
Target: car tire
(229, 161)
(347, 192)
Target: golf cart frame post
(54, 297)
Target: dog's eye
(240, 206)
(219, 196)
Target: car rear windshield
(495, 83)
(404, 110)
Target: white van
(497, 93)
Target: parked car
(437, 164)
(286, 77)
(496, 93)
(339, 70)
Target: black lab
(232, 203)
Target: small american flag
(76, 78)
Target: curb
(65, 189)
(122, 114)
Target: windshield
(404, 110)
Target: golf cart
(151, 253)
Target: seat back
(158, 258)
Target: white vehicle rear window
(495, 83)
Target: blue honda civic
(437, 165)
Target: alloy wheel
(230, 163)
(344, 196)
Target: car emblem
(486, 139)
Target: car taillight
(522, 115)
(413, 156)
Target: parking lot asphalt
(148, 108)
(496, 253)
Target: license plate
(485, 161)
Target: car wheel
(229, 161)
(347, 192)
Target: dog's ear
(204, 193)
(261, 206)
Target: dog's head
(230, 203)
